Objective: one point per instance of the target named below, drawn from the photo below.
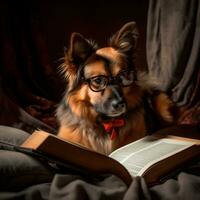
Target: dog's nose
(118, 105)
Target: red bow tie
(111, 125)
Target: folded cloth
(18, 170)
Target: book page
(138, 156)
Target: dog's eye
(126, 78)
(98, 83)
(99, 80)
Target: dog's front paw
(164, 107)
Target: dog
(108, 101)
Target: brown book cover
(153, 157)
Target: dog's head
(102, 81)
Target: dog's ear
(79, 49)
(126, 38)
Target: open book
(153, 157)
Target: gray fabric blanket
(26, 177)
(72, 187)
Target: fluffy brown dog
(108, 101)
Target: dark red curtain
(29, 84)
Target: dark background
(46, 26)
(93, 19)
(33, 35)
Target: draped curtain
(27, 80)
(173, 52)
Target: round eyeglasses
(99, 83)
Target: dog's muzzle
(111, 108)
(114, 105)
(118, 105)
(117, 108)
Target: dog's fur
(82, 112)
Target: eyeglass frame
(110, 80)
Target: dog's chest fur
(96, 79)
(94, 136)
